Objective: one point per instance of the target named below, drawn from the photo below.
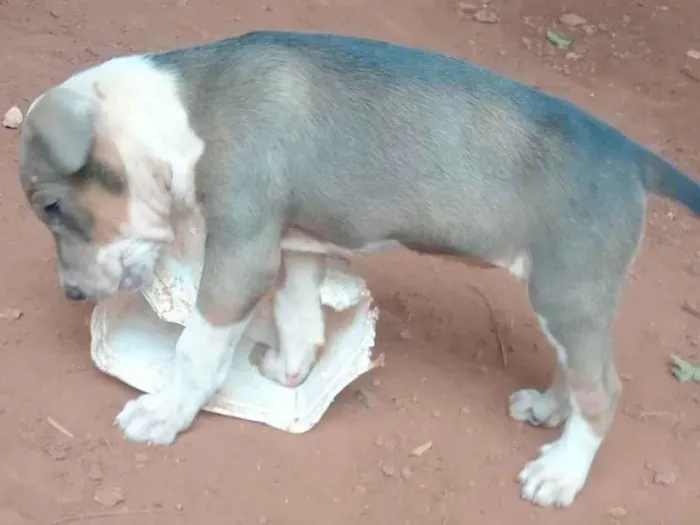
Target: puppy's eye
(52, 210)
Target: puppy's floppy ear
(63, 121)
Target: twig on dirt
(99, 515)
(63, 430)
(494, 322)
(690, 309)
(647, 415)
(683, 370)
(690, 73)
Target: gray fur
(358, 142)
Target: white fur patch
(518, 266)
(202, 359)
(562, 356)
(142, 113)
(557, 476)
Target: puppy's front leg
(233, 281)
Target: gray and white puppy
(352, 144)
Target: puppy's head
(104, 200)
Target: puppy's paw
(554, 478)
(157, 418)
(560, 472)
(537, 408)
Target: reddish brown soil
(444, 381)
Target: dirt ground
(444, 381)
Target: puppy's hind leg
(299, 318)
(576, 301)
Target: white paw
(560, 472)
(157, 418)
(537, 408)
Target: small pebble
(666, 478)
(179, 507)
(13, 118)
(388, 470)
(109, 497)
(572, 20)
(589, 29)
(617, 512)
(57, 452)
(421, 449)
(406, 474)
(694, 54)
(486, 16)
(467, 8)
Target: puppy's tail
(662, 178)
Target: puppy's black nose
(74, 293)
